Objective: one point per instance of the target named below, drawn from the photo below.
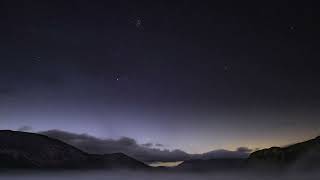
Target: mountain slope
(212, 165)
(29, 150)
(300, 156)
(304, 155)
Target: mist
(126, 175)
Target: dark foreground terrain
(126, 175)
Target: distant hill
(300, 156)
(212, 165)
(304, 155)
(221, 154)
(29, 150)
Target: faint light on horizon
(165, 164)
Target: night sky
(191, 75)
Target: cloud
(241, 152)
(147, 152)
(244, 150)
(25, 128)
(129, 146)
(148, 144)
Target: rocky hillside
(29, 150)
(304, 155)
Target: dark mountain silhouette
(29, 150)
(221, 154)
(304, 155)
(35, 151)
(300, 156)
(212, 165)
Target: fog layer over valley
(126, 175)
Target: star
(117, 77)
(138, 23)
(292, 28)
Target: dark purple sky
(190, 75)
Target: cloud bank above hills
(148, 152)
